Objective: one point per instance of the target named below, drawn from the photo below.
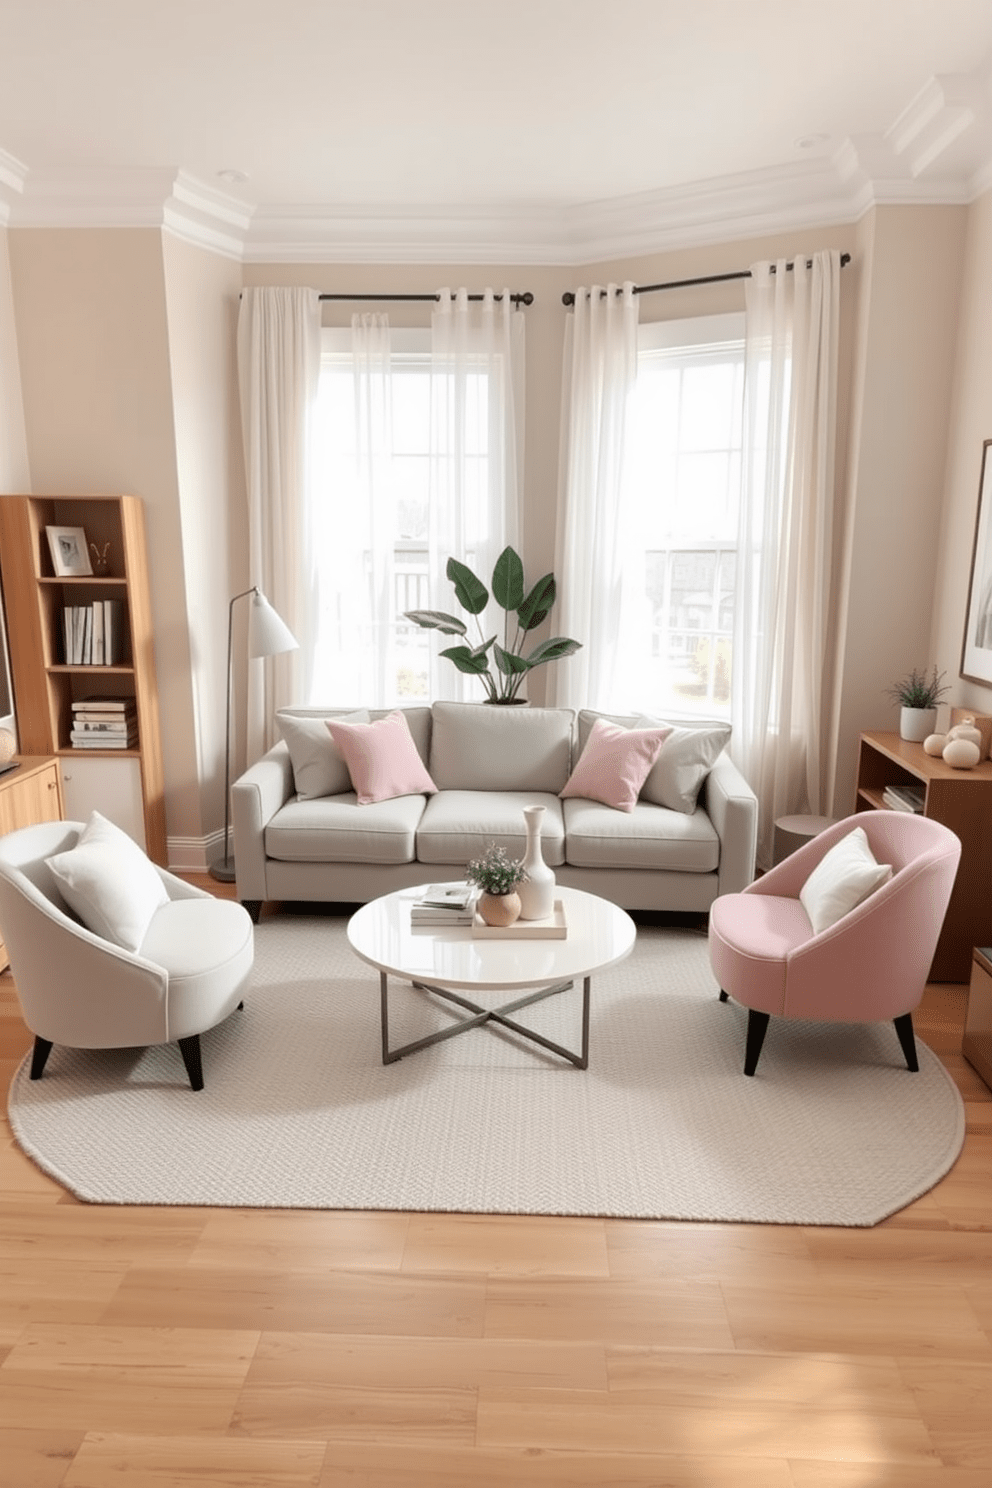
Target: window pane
(683, 464)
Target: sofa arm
(256, 796)
(732, 807)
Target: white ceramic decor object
(966, 730)
(916, 723)
(537, 891)
(934, 743)
(962, 754)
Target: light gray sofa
(488, 764)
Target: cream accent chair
(77, 989)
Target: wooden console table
(962, 800)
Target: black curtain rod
(518, 299)
(568, 298)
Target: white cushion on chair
(844, 876)
(109, 883)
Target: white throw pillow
(686, 758)
(109, 883)
(845, 875)
(318, 764)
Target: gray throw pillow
(686, 758)
(318, 764)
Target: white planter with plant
(497, 875)
(918, 695)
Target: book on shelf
(905, 797)
(123, 723)
(103, 704)
(102, 741)
(113, 720)
(94, 633)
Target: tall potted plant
(918, 695)
(524, 611)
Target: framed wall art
(67, 546)
(976, 651)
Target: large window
(683, 472)
(383, 466)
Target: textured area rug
(299, 1112)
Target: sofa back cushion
(685, 760)
(319, 768)
(318, 764)
(481, 746)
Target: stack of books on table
(444, 904)
(104, 723)
(905, 797)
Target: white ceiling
(535, 130)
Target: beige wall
(14, 469)
(202, 306)
(970, 426)
(93, 336)
(127, 361)
(908, 309)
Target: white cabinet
(110, 786)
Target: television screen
(7, 713)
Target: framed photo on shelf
(67, 546)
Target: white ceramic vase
(537, 892)
(916, 724)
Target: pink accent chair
(870, 966)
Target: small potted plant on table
(497, 875)
(918, 695)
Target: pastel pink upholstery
(871, 965)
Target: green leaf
(537, 606)
(436, 620)
(467, 661)
(470, 592)
(508, 580)
(552, 650)
(509, 662)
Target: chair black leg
(189, 1048)
(39, 1056)
(723, 996)
(904, 1028)
(757, 1027)
(254, 908)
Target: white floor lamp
(268, 635)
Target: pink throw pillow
(382, 758)
(615, 764)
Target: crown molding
(157, 198)
(938, 151)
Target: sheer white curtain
(278, 372)
(783, 625)
(599, 373)
(476, 453)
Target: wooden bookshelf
(961, 800)
(45, 683)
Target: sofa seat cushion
(335, 829)
(478, 746)
(458, 825)
(648, 837)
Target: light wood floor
(147, 1348)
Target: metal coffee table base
(487, 1015)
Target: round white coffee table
(450, 961)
